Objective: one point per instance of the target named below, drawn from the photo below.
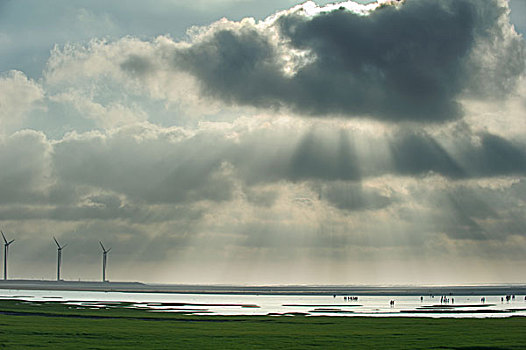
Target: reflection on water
(235, 304)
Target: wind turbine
(104, 257)
(59, 257)
(6, 249)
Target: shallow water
(235, 304)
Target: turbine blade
(3, 236)
(58, 245)
(11, 241)
(104, 249)
(107, 251)
(64, 246)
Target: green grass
(55, 326)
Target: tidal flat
(53, 325)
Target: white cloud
(27, 168)
(18, 96)
(113, 73)
(107, 116)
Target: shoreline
(137, 287)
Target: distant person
(421, 299)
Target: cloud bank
(409, 61)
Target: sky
(265, 142)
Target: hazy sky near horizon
(254, 142)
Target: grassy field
(55, 326)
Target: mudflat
(52, 325)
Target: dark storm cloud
(137, 65)
(472, 203)
(458, 211)
(129, 213)
(315, 158)
(333, 156)
(471, 212)
(236, 67)
(261, 198)
(315, 154)
(154, 171)
(395, 64)
(126, 176)
(25, 160)
(407, 62)
(353, 197)
(121, 175)
(418, 153)
(499, 156)
(206, 166)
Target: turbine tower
(104, 257)
(59, 257)
(6, 249)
